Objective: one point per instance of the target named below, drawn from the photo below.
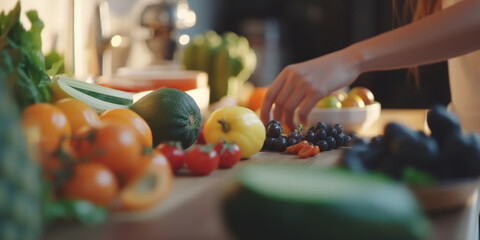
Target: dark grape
(320, 134)
(340, 138)
(310, 136)
(331, 131)
(347, 140)
(295, 135)
(332, 143)
(292, 141)
(274, 130)
(354, 137)
(269, 143)
(313, 129)
(338, 127)
(376, 141)
(273, 122)
(323, 145)
(321, 125)
(280, 144)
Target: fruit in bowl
(353, 101)
(330, 101)
(356, 97)
(442, 169)
(352, 112)
(364, 93)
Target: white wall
(125, 18)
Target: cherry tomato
(52, 123)
(78, 113)
(229, 154)
(92, 182)
(297, 147)
(201, 137)
(150, 186)
(202, 160)
(114, 144)
(131, 118)
(174, 153)
(306, 151)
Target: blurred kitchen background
(100, 37)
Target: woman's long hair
(410, 11)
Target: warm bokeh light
(116, 41)
(184, 39)
(186, 17)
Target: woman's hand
(300, 86)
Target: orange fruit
(113, 144)
(353, 101)
(52, 123)
(256, 98)
(364, 93)
(131, 118)
(78, 113)
(92, 182)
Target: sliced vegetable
(99, 97)
(297, 147)
(149, 188)
(306, 151)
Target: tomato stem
(225, 126)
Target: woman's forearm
(449, 33)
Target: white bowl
(446, 195)
(353, 119)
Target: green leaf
(7, 22)
(417, 177)
(21, 60)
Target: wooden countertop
(192, 211)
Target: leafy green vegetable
(82, 211)
(22, 62)
(417, 177)
(54, 63)
(75, 210)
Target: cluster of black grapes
(447, 153)
(321, 134)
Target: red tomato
(174, 154)
(202, 160)
(201, 137)
(229, 154)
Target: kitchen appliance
(164, 19)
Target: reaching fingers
(304, 108)
(270, 97)
(291, 104)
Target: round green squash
(285, 202)
(172, 115)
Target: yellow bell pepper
(236, 124)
